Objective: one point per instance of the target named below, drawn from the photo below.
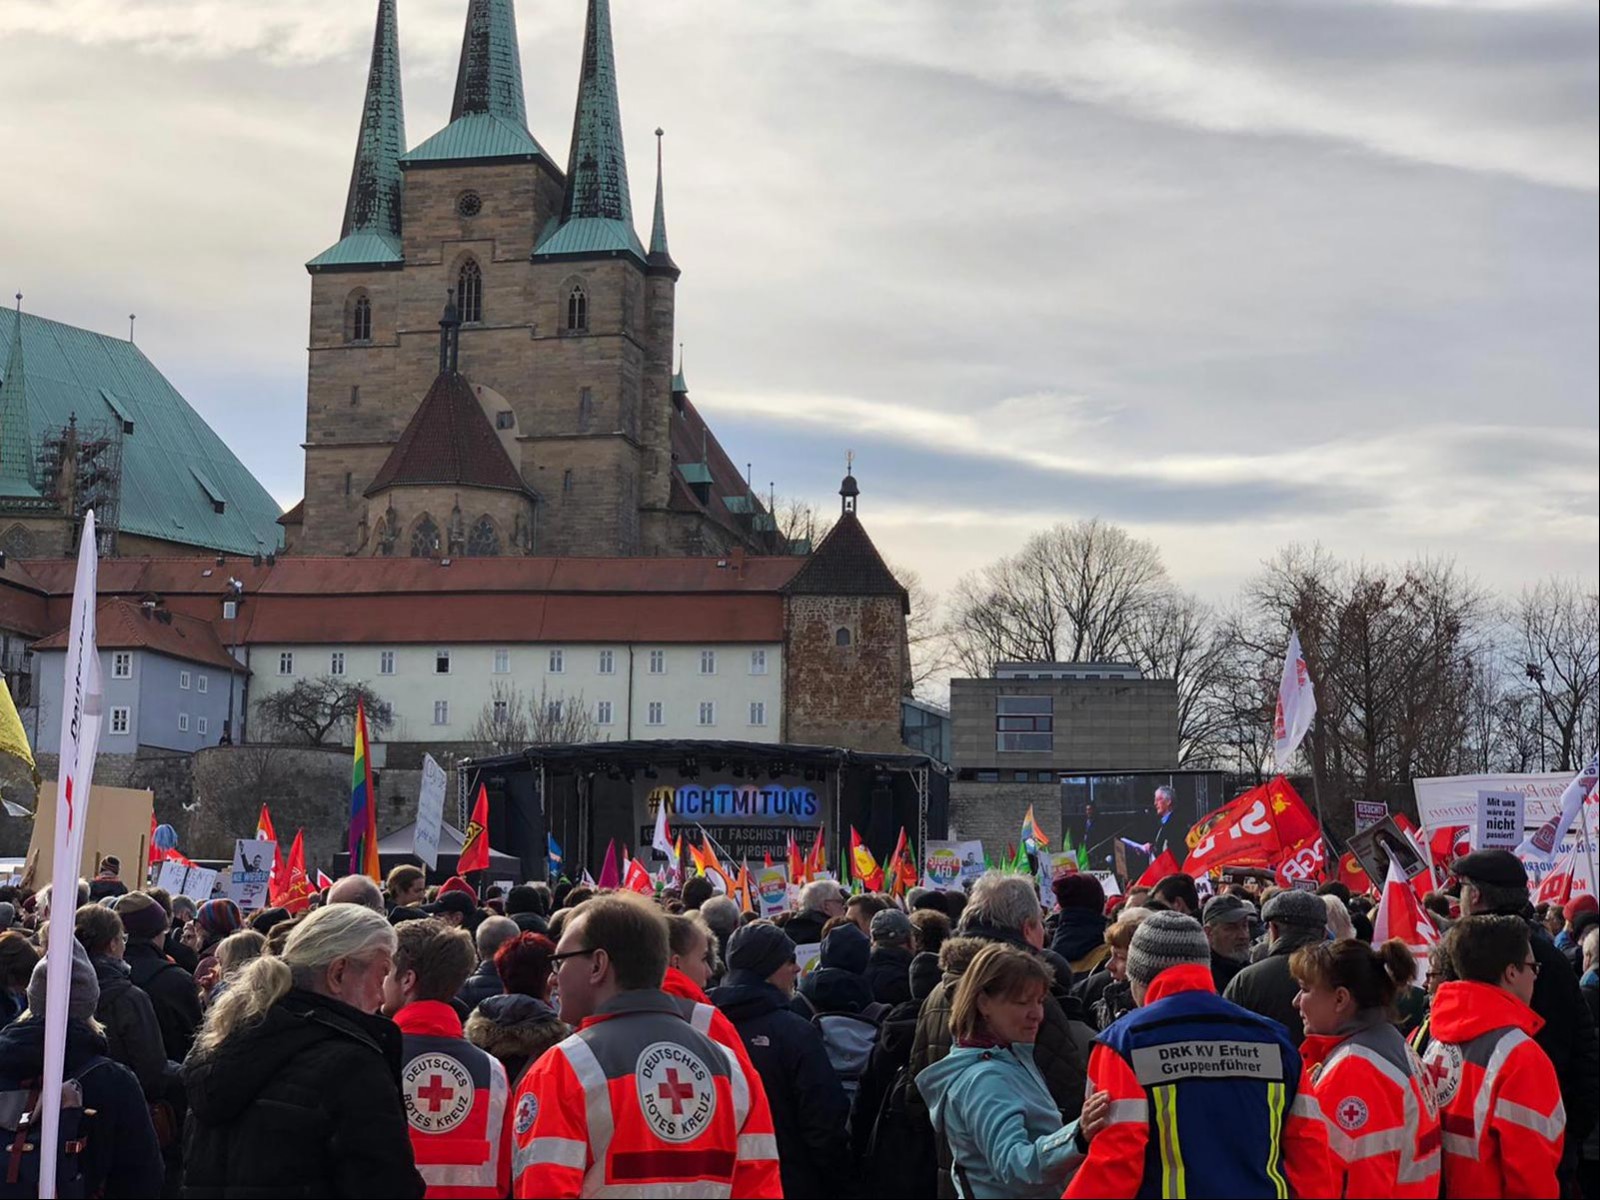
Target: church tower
(566, 320)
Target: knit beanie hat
(759, 948)
(142, 915)
(457, 884)
(219, 918)
(1303, 909)
(85, 993)
(1079, 890)
(1166, 939)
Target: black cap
(1497, 868)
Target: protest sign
(1374, 846)
(199, 883)
(1369, 813)
(1453, 799)
(1108, 883)
(430, 813)
(772, 889)
(117, 822)
(171, 877)
(1499, 819)
(952, 866)
(251, 874)
(808, 957)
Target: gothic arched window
(484, 540)
(425, 539)
(361, 319)
(577, 308)
(469, 293)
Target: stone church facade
(559, 325)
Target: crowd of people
(559, 1040)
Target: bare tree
(800, 520)
(925, 640)
(1557, 651)
(1175, 637)
(313, 709)
(511, 720)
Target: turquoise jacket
(1004, 1129)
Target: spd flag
(1252, 830)
(475, 845)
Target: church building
(491, 355)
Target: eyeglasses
(1531, 966)
(557, 959)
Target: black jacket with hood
(516, 1029)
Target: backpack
(21, 1127)
(849, 1039)
(901, 1152)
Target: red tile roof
(124, 625)
(693, 442)
(24, 606)
(448, 441)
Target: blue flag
(553, 849)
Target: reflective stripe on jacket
(637, 1103)
(1383, 1124)
(456, 1105)
(707, 1018)
(1499, 1100)
(1205, 1101)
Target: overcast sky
(1232, 274)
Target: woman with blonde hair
(292, 1083)
(987, 1096)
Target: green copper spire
(489, 79)
(371, 232)
(660, 256)
(597, 174)
(18, 471)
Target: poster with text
(951, 866)
(199, 883)
(252, 872)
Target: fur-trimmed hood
(515, 1027)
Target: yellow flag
(13, 738)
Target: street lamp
(1535, 674)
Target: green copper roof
(19, 473)
(170, 451)
(659, 254)
(679, 386)
(489, 79)
(597, 173)
(590, 235)
(695, 472)
(371, 231)
(476, 135)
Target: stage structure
(747, 796)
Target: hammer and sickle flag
(475, 843)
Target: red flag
(817, 860)
(322, 880)
(1348, 872)
(1401, 915)
(610, 876)
(894, 872)
(1252, 830)
(766, 859)
(154, 855)
(1448, 843)
(475, 845)
(1305, 860)
(862, 865)
(1158, 870)
(174, 856)
(265, 833)
(295, 895)
(638, 879)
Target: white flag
(662, 838)
(1297, 704)
(80, 737)
(1401, 916)
(1545, 844)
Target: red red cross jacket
(710, 1020)
(1383, 1125)
(456, 1105)
(1499, 1100)
(639, 1103)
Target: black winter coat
(480, 985)
(516, 1029)
(1268, 989)
(122, 1156)
(305, 1103)
(1568, 1037)
(172, 994)
(132, 1033)
(889, 974)
(805, 929)
(809, 1108)
(1080, 938)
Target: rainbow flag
(363, 806)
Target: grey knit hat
(1166, 939)
(85, 989)
(1224, 908)
(1302, 909)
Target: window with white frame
(230, 610)
(119, 719)
(183, 681)
(200, 684)
(658, 662)
(708, 662)
(502, 662)
(441, 662)
(441, 712)
(122, 664)
(386, 662)
(558, 661)
(708, 712)
(202, 726)
(758, 662)
(602, 712)
(653, 713)
(758, 712)
(336, 663)
(286, 662)
(183, 722)
(608, 662)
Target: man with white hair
(357, 889)
(1161, 801)
(484, 982)
(820, 901)
(1003, 908)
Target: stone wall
(168, 775)
(845, 695)
(994, 811)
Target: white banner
(1453, 799)
(80, 738)
(1297, 704)
(430, 813)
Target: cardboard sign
(252, 873)
(430, 813)
(772, 890)
(1369, 813)
(952, 866)
(1108, 883)
(171, 877)
(1499, 823)
(199, 883)
(118, 823)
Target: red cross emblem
(1350, 1114)
(436, 1094)
(675, 1091)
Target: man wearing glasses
(637, 1101)
(1500, 1110)
(1495, 881)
